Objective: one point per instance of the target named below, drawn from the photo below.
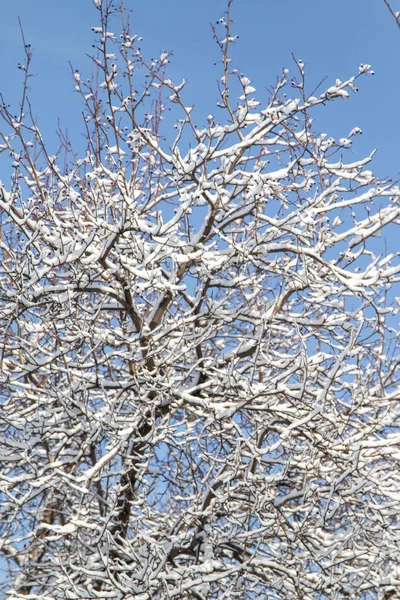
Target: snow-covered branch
(199, 366)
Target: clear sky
(331, 37)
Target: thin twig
(396, 16)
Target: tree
(199, 358)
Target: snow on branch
(199, 342)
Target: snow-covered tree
(199, 359)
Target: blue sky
(332, 38)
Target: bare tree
(199, 354)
